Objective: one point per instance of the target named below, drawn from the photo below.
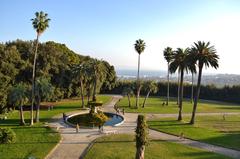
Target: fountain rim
(82, 113)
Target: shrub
(7, 135)
(99, 118)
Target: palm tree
(40, 24)
(97, 72)
(149, 87)
(168, 52)
(204, 55)
(180, 62)
(129, 92)
(18, 96)
(81, 73)
(44, 92)
(139, 47)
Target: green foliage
(150, 86)
(18, 95)
(139, 46)
(141, 131)
(99, 118)
(40, 22)
(54, 64)
(7, 135)
(208, 92)
(168, 54)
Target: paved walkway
(75, 144)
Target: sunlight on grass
(209, 129)
(123, 147)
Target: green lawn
(123, 147)
(37, 140)
(154, 105)
(209, 129)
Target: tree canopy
(54, 62)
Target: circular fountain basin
(114, 120)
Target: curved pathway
(74, 145)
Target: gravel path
(74, 145)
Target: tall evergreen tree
(141, 136)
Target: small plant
(99, 118)
(7, 135)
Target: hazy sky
(107, 29)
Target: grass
(123, 147)
(209, 129)
(154, 105)
(34, 141)
(37, 140)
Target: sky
(108, 29)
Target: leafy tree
(44, 92)
(54, 62)
(40, 24)
(141, 136)
(18, 96)
(180, 62)
(128, 92)
(168, 53)
(149, 86)
(139, 47)
(204, 55)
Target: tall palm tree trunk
(129, 101)
(140, 152)
(168, 86)
(22, 121)
(178, 88)
(138, 83)
(192, 88)
(196, 95)
(33, 79)
(94, 98)
(82, 96)
(180, 96)
(37, 108)
(146, 98)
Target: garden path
(73, 145)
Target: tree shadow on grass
(228, 140)
(204, 155)
(15, 122)
(115, 141)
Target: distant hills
(218, 80)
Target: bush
(7, 135)
(99, 118)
